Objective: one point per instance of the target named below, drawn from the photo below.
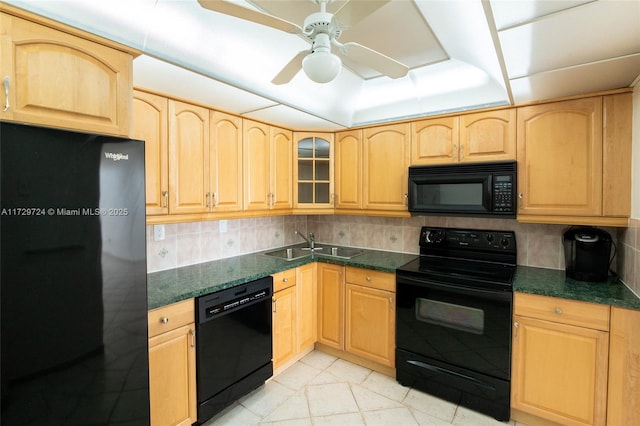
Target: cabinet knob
(285, 280)
(558, 311)
(368, 278)
(164, 320)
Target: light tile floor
(323, 390)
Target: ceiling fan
(321, 29)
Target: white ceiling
(462, 54)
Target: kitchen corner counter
(555, 283)
(174, 285)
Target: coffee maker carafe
(587, 253)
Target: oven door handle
(467, 291)
(451, 373)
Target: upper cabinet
(371, 170)
(565, 163)
(188, 158)
(268, 168)
(435, 141)
(150, 124)
(281, 176)
(225, 162)
(385, 166)
(348, 162)
(488, 136)
(57, 79)
(313, 171)
(469, 138)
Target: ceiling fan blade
(237, 11)
(354, 11)
(291, 69)
(373, 59)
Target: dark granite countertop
(555, 283)
(174, 285)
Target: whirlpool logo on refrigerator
(116, 157)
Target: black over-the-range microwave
(473, 189)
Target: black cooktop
(478, 258)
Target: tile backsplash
(538, 245)
(629, 255)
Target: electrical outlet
(223, 226)
(158, 232)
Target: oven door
(455, 325)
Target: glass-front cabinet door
(313, 170)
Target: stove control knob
(490, 238)
(504, 242)
(435, 237)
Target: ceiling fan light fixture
(321, 66)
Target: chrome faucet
(311, 242)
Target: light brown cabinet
(565, 163)
(356, 312)
(284, 317)
(468, 138)
(560, 359)
(188, 158)
(225, 163)
(370, 322)
(306, 306)
(331, 305)
(58, 79)
(268, 167)
(435, 141)
(385, 166)
(488, 136)
(348, 168)
(150, 124)
(623, 406)
(294, 313)
(172, 365)
(313, 170)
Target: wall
(189, 243)
(629, 239)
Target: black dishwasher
(234, 349)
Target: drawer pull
(558, 311)
(285, 280)
(5, 81)
(368, 278)
(164, 320)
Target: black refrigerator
(73, 286)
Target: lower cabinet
(370, 318)
(560, 359)
(356, 312)
(172, 365)
(623, 406)
(331, 305)
(294, 313)
(284, 317)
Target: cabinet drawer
(369, 278)
(170, 317)
(284, 279)
(582, 314)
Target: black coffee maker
(587, 253)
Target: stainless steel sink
(294, 253)
(341, 252)
(289, 253)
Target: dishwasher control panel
(216, 304)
